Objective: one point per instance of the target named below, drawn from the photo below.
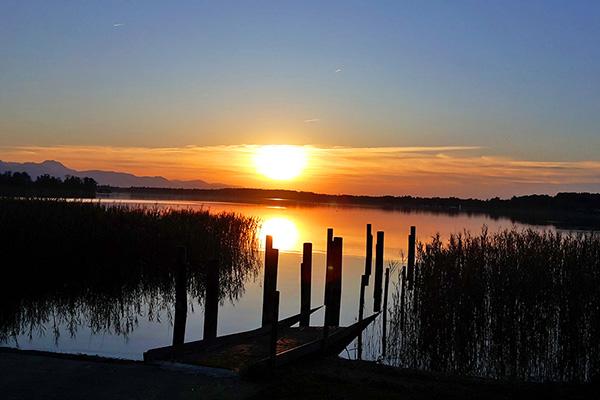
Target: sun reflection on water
(284, 232)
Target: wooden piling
(402, 298)
(270, 281)
(364, 282)
(273, 342)
(211, 302)
(369, 257)
(328, 266)
(334, 283)
(180, 295)
(385, 301)
(305, 283)
(337, 281)
(411, 256)
(378, 273)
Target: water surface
(290, 226)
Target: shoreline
(31, 374)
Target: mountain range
(109, 178)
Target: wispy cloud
(118, 25)
(312, 120)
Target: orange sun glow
(283, 231)
(280, 162)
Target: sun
(280, 162)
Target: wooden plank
(169, 352)
(338, 340)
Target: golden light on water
(284, 232)
(280, 162)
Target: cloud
(338, 70)
(312, 120)
(117, 25)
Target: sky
(425, 98)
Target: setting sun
(280, 162)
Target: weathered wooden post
(273, 342)
(333, 284)
(364, 282)
(378, 273)
(305, 283)
(369, 258)
(180, 295)
(270, 282)
(328, 266)
(211, 305)
(385, 300)
(411, 256)
(402, 298)
(337, 281)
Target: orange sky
(417, 171)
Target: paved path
(39, 375)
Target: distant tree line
(587, 202)
(564, 210)
(21, 184)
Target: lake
(290, 226)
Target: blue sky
(513, 80)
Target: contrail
(312, 120)
(117, 25)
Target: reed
(80, 263)
(518, 304)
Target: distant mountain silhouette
(110, 178)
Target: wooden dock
(247, 350)
(276, 342)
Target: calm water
(290, 227)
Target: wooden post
(337, 281)
(334, 283)
(180, 296)
(369, 258)
(273, 343)
(270, 282)
(402, 298)
(211, 305)
(364, 282)
(328, 266)
(385, 300)
(411, 256)
(378, 273)
(305, 283)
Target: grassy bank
(511, 304)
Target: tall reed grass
(79, 263)
(511, 304)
